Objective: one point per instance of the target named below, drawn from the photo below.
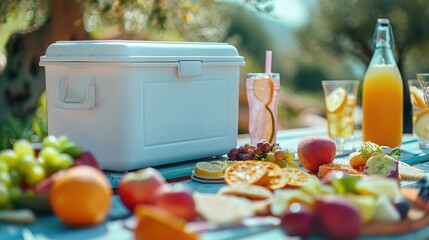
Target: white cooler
(135, 104)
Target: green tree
(47, 21)
(345, 28)
(22, 81)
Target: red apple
(338, 217)
(176, 199)
(316, 151)
(298, 220)
(86, 158)
(139, 187)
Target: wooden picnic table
(50, 227)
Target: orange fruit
(264, 90)
(356, 160)
(276, 178)
(247, 173)
(81, 196)
(295, 177)
(336, 101)
(156, 223)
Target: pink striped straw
(268, 59)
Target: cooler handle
(87, 104)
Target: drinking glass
(423, 79)
(418, 96)
(340, 102)
(263, 94)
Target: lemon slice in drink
(421, 124)
(205, 169)
(264, 90)
(417, 97)
(336, 101)
(265, 118)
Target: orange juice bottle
(382, 93)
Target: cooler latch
(190, 68)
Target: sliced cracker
(408, 172)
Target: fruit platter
(259, 189)
(314, 194)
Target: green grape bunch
(24, 166)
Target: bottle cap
(383, 34)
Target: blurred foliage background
(331, 42)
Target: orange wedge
(246, 173)
(421, 124)
(276, 178)
(264, 90)
(295, 177)
(336, 101)
(417, 98)
(156, 223)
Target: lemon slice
(205, 169)
(265, 119)
(421, 124)
(417, 98)
(264, 90)
(336, 101)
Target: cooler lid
(139, 51)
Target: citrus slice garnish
(265, 118)
(276, 178)
(264, 90)
(417, 98)
(246, 173)
(295, 177)
(205, 169)
(336, 101)
(421, 124)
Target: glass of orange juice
(340, 102)
(420, 114)
(263, 94)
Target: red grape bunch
(263, 151)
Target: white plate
(207, 178)
(201, 180)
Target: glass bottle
(382, 93)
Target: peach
(139, 187)
(316, 151)
(176, 199)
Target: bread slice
(326, 168)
